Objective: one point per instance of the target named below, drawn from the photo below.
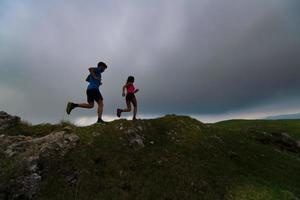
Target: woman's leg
(128, 109)
(128, 102)
(134, 102)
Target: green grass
(290, 126)
(181, 159)
(39, 130)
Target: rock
(67, 129)
(286, 135)
(283, 140)
(172, 132)
(289, 195)
(130, 131)
(7, 121)
(121, 127)
(95, 134)
(140, 128)
(71, 177)
(264, 138)
(39, 145)
(218, 139)
(31, 184)
(136, 141)
(28, 152)
(232, 154)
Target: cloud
(194, 57)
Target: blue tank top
(94, 83)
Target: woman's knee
(128, 108)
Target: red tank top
(130, 88)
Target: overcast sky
(212, 59)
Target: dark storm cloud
(199, 57)
(231, 59)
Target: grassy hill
(173, 157)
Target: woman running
(130, 97)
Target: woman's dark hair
(102, 64)
(130, 79)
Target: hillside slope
(173, 157)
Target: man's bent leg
(86, 105)
(71, 106)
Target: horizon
(207, 59)
(88, 120)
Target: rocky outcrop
(61, 141)
(27, 152)
(282, 140)
(7, 121)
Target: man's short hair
(102, 64)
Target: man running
(92, 92)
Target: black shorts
(93, 95)
(130, 96)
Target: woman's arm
(123, 90)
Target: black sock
(74, 105)
(100, 119)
